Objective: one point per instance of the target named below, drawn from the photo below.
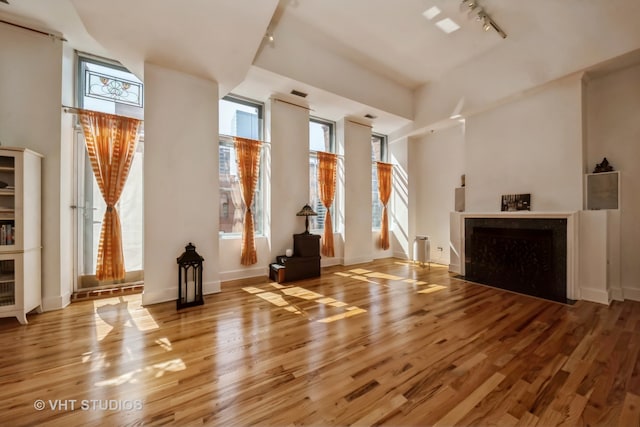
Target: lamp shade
(306, 211)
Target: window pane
(377, 206)
(109, 89)
(240, 118)
(378, 154)
(320, 136)
(315, 222)
(320, 139)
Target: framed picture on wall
(515, 202)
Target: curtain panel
(111, 144)
(327, 165)
(248, 160)
(385, 173)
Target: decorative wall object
(603, 190)
(515, 202)
(603, 166)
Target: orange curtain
(327, 164)
(111, 143)
(248, 158)
(385, 171)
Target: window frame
(376, 206)
(313, 155)
(84, 181)
(260, 199)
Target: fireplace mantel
(457, 231)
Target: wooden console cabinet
(304, 263)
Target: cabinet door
(10, 295)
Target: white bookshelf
(20, 232)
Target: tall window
(110, 88)
(378, 154)
(321, 138)
(238, 117)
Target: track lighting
(473, 8)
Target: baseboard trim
(56, 303)
(329, 262)
(245, 273)
(632, 294)
(400, 255)
(595, 295)
(617, 294)
(170, 294)
(360, 260)
(455, 268)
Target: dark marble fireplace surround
(526, 255)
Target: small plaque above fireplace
(515, 202)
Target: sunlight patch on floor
(278, 299)
(432, 288)
(143, 320)
(164, 343)
(378, 275)
(352, 311)
(363, 279)
(157, 370)
(339, 273)
(274, 299)
(299, 292)
(360, 271)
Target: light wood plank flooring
(385, 343)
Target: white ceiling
(353, 57)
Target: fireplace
(526, 255)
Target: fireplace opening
(526, 255)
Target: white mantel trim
(573, 290)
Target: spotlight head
(486, 24)
(466, 4)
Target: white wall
(436, 161)
(529, 145)
(30, 116)
(181, 178)
(289, 173)
(230, 267)
(355, 142)
(613, 131)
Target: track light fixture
(473, 8)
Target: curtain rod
(44, 33)
(291, 103)
(361, 124)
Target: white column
(289, 173)
(356, 142)
(180, 178)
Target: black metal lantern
(189, 278)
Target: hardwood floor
(386, 343)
